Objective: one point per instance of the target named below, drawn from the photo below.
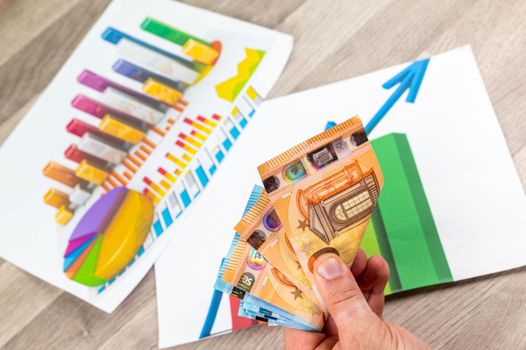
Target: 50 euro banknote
(249, 275)
(324, 191)
(263, 230)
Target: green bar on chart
(168, 32)
(406, 217)
(424, 212)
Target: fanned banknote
(252, 276)
(324, 191)
(262, 229)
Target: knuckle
(342, 296)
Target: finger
(373, 281)
(296, 339)
(359, 263)
(375, 272)
(327, 343)
(330, 328)
(339, 290)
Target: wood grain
(333, 41)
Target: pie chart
(108, 236)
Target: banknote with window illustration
(324, 191)
(318, 198)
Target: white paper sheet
(29, 237)
(475, 195)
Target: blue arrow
(408, 79)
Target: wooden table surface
(334, 40)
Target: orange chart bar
(176, 160)
(154, 186)
(198, 126)
(206, 121)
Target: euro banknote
(324, 191)
(262, 229)
(250, 275)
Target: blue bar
(157, 228)
(141, 74)
(234, 132)
(243, 123)
(219, 156)
(101, 289)
(113, 36)
(131, 262)
(185, 198)
(251, 114)
(212, 169)
(201, 175)
(167, 217)
(140, 251)
(227, 144)
(110, 282)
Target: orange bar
(112, 183)
(106, 187)
(155, 187)
(129, 166)
(197, 125)
(60, 173)
(119, 178)
(151, 195)
(166, 174)
(171, 121)
(140, 155)
(165, 184)
(127, 175)
(176, 160)
(91, 173)
(134, 160)
(63, 215)
(149, 143)
(56, 198)
(158, 131)
(145, 150)
(183, 102)
(190, 140)
(198, 135)
(206, 121)
(185, 147)
(178, 172)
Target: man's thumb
(339, 290)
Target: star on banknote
(297, 293)
(307, 247)
(302, 225)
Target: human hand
(355, 301)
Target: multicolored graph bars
(121, 129)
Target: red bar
(147, 180)
(216, 117)
(76, 155)
(239, 322)
(79, 128)
(99, 110)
